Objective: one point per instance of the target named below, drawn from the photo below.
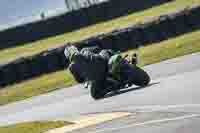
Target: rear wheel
(97, 90)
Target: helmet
(70, 51)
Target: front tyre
(140, 77)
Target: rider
(86, 63)
(94, 66)
(90, 66)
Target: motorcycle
(121, 73)
(128, 74)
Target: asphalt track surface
(170, 104)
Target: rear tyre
(97, 91)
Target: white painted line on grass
(90, 121)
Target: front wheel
(139, 77)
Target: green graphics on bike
(114, 65)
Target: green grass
(36, 86)
(33, 127)
(182, 45)
(52, 42)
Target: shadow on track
(122, 91)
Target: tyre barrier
(73, 20)
(153, 30)
(8, 74)
(22, 69)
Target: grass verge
(33, 127)
(182, 45)
(36, 86)
(10, 54)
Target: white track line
(154, 108)
(149, 122)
